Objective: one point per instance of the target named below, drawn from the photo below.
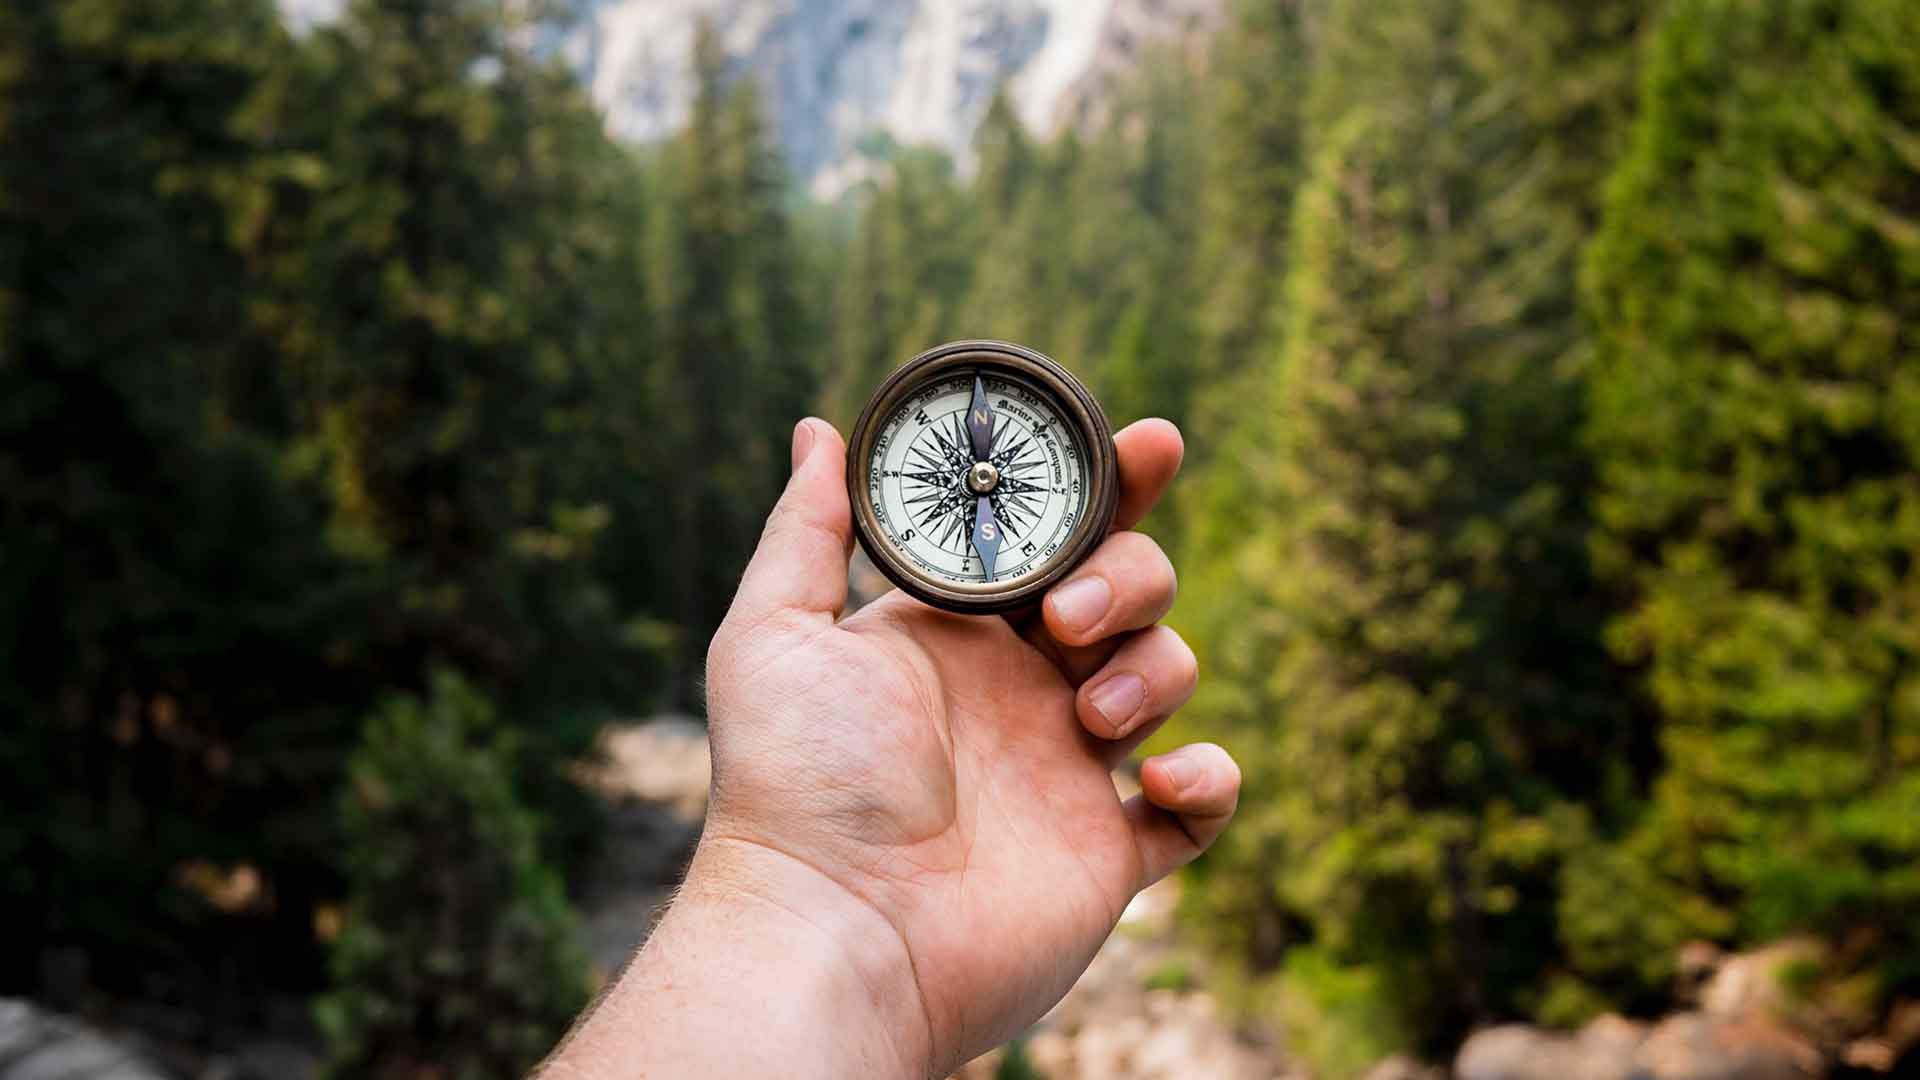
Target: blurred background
(392, 390)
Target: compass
(981, 474)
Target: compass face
(922, 460)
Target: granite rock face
(1696, 1046)
(1603, 1050)
(1687, 1046)
(844, 78)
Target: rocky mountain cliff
(839, 72)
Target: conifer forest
(374, 428)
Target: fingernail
(1117, 698)
(802, 443)
(1181, 773)
(1082, 603)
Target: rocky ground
(1135, 1014)
(36, 1045)
(1740, 1021)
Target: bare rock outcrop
(1698, 1046)
(1603, 1050)
(39, 1045)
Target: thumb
(801, 563)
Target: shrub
(458, 953)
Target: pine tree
(458, 956)
(1023, 213)
(170, 610)
(1084, 244)
(449, 335)
(909, 265)
(1005, 160)
(1754, 413)
(1131, 290)
(1253, 159)
(734, 375)
(1425, 641)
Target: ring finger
(1151, 676)
(1127, 584)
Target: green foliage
(909, 261)
(1624, 921)
(458, 954)
(1252, 165)
(1343, 1018)
(722, 272)
(450, 259)
(329, 362)
(1754, 415)
(169, 610)
(1555, 620)
(1425, 703)
(1015, 1065)
(1082, 246)
(1174, 973)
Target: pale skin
(913, 845)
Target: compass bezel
(1073, 402)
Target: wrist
(780, 969)
(855, 964)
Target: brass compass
(981, 474)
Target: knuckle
(1139, 559)
(791, 520)
(1167, 581)
(721, 649)
(1179, 644)
(746, 636)
(1176, 668)
(1185, 663)
(784, 518)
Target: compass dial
(980, 475)
(926, 490)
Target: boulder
(267, 1060)
(39, 1045)
(1894, 1049)
(1697, 1046)
(1603, 1050)
(1402, 1067)
(1750, 983)
(1696, 965)
(1903, 1026)
(1510, 1052)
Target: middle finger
(1127, 584)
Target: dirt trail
(1132, 1016)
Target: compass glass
(921, 460)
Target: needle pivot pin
(983, 478)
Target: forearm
(762, 967)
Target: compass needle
(986, 535)
(980, 421)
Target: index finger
(1149, 453)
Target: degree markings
(926, 473)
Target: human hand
(925, 800)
